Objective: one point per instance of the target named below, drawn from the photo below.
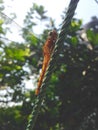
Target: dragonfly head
(52, 35)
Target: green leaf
(17, 53)
(1, 29)
(33, 39)
(74, 41)
(92, 37)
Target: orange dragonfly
(47, 51)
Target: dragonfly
(47, 52)
(47, 48)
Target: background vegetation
(72, 94)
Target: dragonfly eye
(50, 33)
